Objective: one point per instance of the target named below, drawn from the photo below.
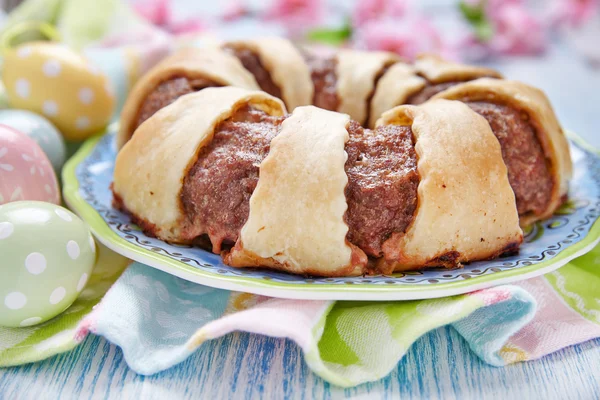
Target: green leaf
(472, 13)
(333, 37)
(475, 16)
(484, 31)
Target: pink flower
(369, 10)
(572, 12)
(516, 31)
(156, 11)
(406, 37)
(296, 15)
(159, 13)
(234, 10)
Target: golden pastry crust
(437, 70)
(536, 105)
(150, 168)
(209, 63)
(398, 83)
(296, 220)
(286, 66)
(356, 72)
(466, 207)
(401, 81)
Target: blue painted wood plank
(241, 366)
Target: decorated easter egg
(39, 129)
(25, 171)
(53, 80)
(47, 257)
(3, 97)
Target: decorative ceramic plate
(548, 245)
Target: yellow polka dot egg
(47, 258)
(53, 80)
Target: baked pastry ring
(195, 68)
(319, 175)
(533, 143)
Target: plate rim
(325, 291)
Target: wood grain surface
(239, 366)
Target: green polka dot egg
(47, 257)
(56, 82)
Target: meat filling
(528, 171)
(322, 73)
(217, 189)
(251, 61)
(167, 92)
(381, 191)
(382, 184)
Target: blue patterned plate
(572, 231)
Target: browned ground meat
(381, 191)
(430, 90)
(382, 184)
(167, 92)
(252, 63)
(523, 155)
(322, 73)
(217, 189)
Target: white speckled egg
(48, 255)
(25, 171)
(53, 80)
(39, 129)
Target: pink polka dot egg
(55, 81)
(25, 171)
(47, 258)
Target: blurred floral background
(551, 44)
(466, 30)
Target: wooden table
(439, 365)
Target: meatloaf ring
(185, 71)
(415, 84)
(534, 147)
(315, 193)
